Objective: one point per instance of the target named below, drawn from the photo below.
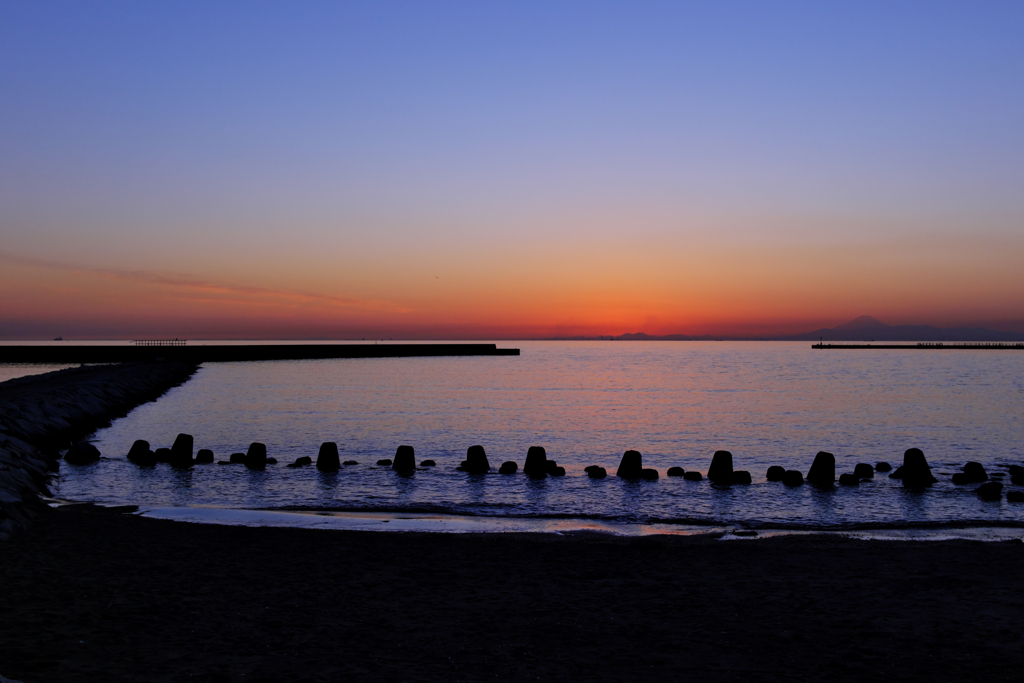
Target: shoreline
(438, 522)
(42, 415)
(94, 594)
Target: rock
(993, 490)
(139, 449)
(256, 456)
(556, 471)
(721, 467)
(975, 472)
(162, 454)
(649, 474)
(883, 467)
(675, 472)
(864, 471)
(588, 468)
(915, 471)
(225, 462)
(327, 459)
(740, 477)
(536, 462)
(350, 462)
(1015, 496)
(405, 459)
(849, 479)
(238, 458)
(476, 460)
(823, 470)
(793, 478)
(181, 451)
(82, 453)
(550, 466)
(1017, 479)
(141, 455)
(631, 466)
(595, 472)
(428, 463)
(1016, 470)
(302, 462)
(691, 475)
(384, 462)
(749, 533)
(204, 456)
(508, 467)
(271, 461)
(775, 473)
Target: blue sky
(292, 140)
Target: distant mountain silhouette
(866, 328)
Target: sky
(506, 170)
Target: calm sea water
(587, 402)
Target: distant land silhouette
(864, 328)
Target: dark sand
(91, 595)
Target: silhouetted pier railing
(973, 346)
(160, 342)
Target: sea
(585, 402)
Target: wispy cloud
(188, 283)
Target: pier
(179, 350)
(961, 346)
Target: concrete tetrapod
(720, 471)
(405, 459)
(536, 462)
(823, 470)
(974, 473)
(181, 451)
(256, 456)
(141, 455)
(915, 471)
(864, 471)
(631, 466)
(328, 460)
(476, 460)
(82, 453)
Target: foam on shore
(459, 524)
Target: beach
(94, 594)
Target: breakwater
(42, 415)
(71, 353)
(934, 346)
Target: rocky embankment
(41, 416)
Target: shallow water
(587, 402)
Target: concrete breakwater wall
(42, 415)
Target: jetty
(947, 346)
(149, 350)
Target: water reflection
(670, 400)
(913, 502)
(326, 483)
(181, 484)
(476, 486)
(823, 501)
(536, 492)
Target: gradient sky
(508, 169)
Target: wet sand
(92, 595)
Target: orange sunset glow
(667, 171)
